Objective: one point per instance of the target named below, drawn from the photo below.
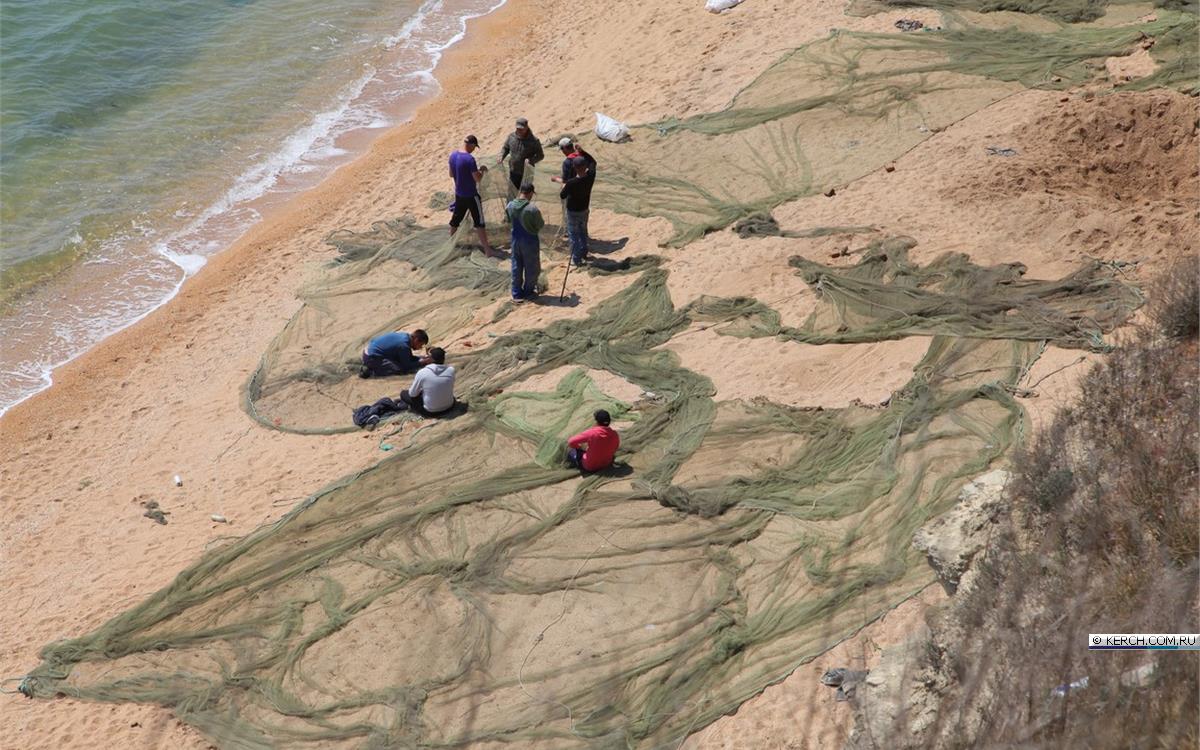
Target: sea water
(140, 137)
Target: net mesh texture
(472, 590)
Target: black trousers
(415, 403)
(382, 367)
(575, 458)
(464, 205)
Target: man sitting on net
(392, 354)
(432, 390)
(594, 448)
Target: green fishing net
(396, 276)
(841, 107)
(471, 590)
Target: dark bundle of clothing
(369, 416)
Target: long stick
(563, 293)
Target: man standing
(521, 146)
(527, 221)
(392, 354)
(577, 192)
(593, 449)
(569, 151)
(432, 390)
(467, 175)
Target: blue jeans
(575, 458)
(577, 231)
(526, 265)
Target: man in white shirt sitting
(432, 390)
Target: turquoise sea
(139, 138)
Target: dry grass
(1102, 536)
(1175, 308)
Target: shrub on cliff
(1102, 535)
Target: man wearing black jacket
(520, 147)
(569, 151)
(577, 192)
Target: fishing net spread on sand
(394, 276)
(470, 590)
(1065, 11)
(841, 107)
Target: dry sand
(163, 397)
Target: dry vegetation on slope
(1100, 534)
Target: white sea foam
(188, 262)
(314, 144)
(182, 247)
(413, 23)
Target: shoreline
(163, 396)
(154, 391)
(354, 143)
(276, 221)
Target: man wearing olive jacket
(520, 147)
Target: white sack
(608, 129)
(720, 6)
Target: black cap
(527, 187)
(602, 417)
(579, 161)
(471, 140)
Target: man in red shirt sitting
(593, 449)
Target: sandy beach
(163, 398)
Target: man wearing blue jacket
(392, 354)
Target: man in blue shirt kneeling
(392, 354)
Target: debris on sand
(154, 512)
(845, 680)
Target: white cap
(564, 143)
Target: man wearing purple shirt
(466, 175)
